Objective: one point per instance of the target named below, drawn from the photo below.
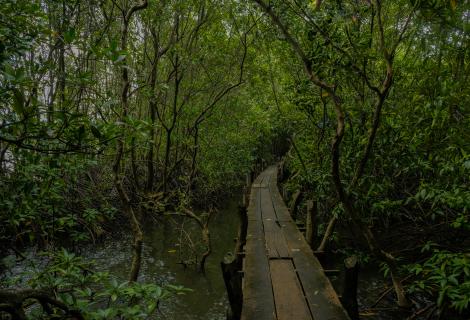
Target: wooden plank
(288, 296)
(266, 204)
(253, 211)
(282, 212)
(276, 244)
(258, 301)
(322, 298)
(266, 179)
(262, 181)
(258, 181)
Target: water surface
(165, 247)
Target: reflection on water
(161, 263)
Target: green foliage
(39, 200)
(447, 275)
(17, 37)
(97, 295)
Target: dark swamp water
(162, 257)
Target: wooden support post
(242, 230)
(349, 296)
(245, 197)
(280, 171)
(247, 188)
(233, 284)
(248, 180)
(232, 267)
(311, 232)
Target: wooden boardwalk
(283, 279)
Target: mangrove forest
(235, 159)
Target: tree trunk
(327, 235)
(349, 296)
(193, 160)
(206, 239)
(312, 213)
(125, 200)
(295, 203)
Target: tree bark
(327, 235)
(312, 214)
(296, 198)
(125, 200)
(206, 236)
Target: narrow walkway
(283, 279)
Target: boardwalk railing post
(349, 296)
(311, 232)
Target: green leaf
(95, 132)
(441, 297)
(80, 133)
(18, 102)
(69, 35)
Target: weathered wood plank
(258, 302)
(266, 204)
(282, 212)
(322, 298)
(253, 210)
(276, 243)
(288, 296)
